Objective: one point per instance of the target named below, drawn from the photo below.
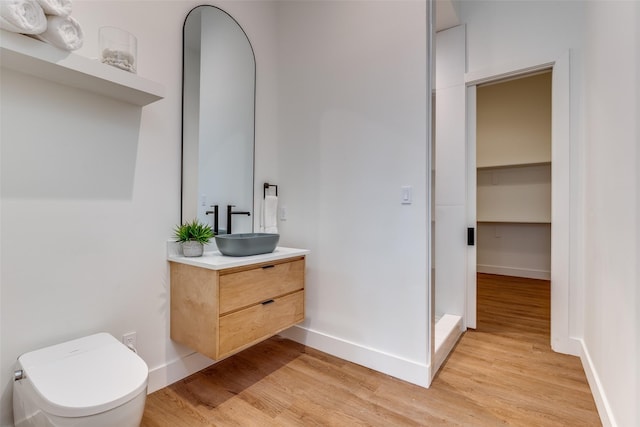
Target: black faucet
(230, 212)
(215, 218)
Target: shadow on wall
(65, 145)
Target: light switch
(407, 195)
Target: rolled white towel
(22, 16)
(55, 7)
(63, 32)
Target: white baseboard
(398, 367)
(566, 345)
(176, 370)
(516, 272)
(447, 332)
(407, 370)
(602, 403)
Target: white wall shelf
(510, 221)
(512, 166)
(33, 57)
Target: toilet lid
(85, 376)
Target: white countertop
(216, 261)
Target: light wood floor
(503, 373)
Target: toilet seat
(84, 377)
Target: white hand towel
(269, 214)
(56, 7)
(22, 16)
(63, 32)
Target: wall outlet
(130, 340)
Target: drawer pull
(269, 301)
(264, 267)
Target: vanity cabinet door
(246, 327)
(240, 289)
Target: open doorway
(560, 166)
(513, 187)
(513, 201)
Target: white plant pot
(192, 248)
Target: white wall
(612, 283)
(501, 32)
(91, 192)
(514, 122)
(353, 131)
(515, 249)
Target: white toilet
(95, 381)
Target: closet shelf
(33, 57)
(514, 165)
(513, 221)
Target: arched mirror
(218, 119)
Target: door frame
(561, 173)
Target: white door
(471, 299)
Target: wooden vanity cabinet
(221, 312)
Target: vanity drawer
(245, 327)
(245, 288)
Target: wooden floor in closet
(502, 373)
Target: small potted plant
(193, 236)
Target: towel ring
(266, 187)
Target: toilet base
(27, 415)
